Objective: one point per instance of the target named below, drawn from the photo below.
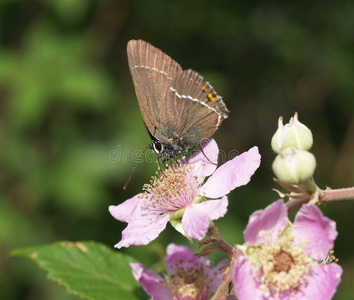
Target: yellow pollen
(188, 281)
(285, 266)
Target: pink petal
(204, 164)
(247, 284)
(142, 230)
(127, 210)
(176, 253)
(272, 219)
(182, 256)
(150, 282)
(316, 231)
(322, 282)
(232, 174)
(196, 218)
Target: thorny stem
(217, 243)
(326, 195)
(338, 194)
(226, 288)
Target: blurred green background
(67, 101)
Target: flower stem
(311, 185)
(326, 195)
(218, 243)
(338, 194)
(295, 204)
(225, 289)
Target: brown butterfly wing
(153, 72)
(196, 108)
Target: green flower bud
(294, 166)
(293, 134)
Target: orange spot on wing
(211, 96)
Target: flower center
(283, 266)
(171, 190)
(190, 282)
(283, 261)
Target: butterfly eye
(157, 147)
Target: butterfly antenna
(136, 164)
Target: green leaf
(87, 269)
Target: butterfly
(178, 107)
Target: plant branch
(218, 243)
(324, 196)
(338, 194)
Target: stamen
(172, 191)
(189, 281)
(284, 265)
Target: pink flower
(178, 196)
(189, 277)
(282, 260)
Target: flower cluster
(279, 259)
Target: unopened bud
(294, 166)
(293, 134)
